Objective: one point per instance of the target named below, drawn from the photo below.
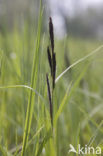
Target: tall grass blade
(33, 83)
(43, 143)
(17, 149)
(80, 60)
(23, 86)
(71, 91)
(92, 139)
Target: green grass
(30, 107)
(25, 126)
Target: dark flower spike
(51, 33)
(52, 64)
(49, 59)
(54, 69)
(50, 99)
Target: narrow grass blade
(92, 139)
(77, 138)
(69, 96)
(50, 100)
(17, 149)
(33, 83)
(46, 138)
(80, 60)
(22, 86)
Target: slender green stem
(29, 113)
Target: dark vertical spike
(49, 59)
(54, 69)
(51, 33)
(50, 99)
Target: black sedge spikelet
(50, 99)
(54, 69)
(51, 33)
(52, 65)
(49, 58)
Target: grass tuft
(30, 107)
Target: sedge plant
(52, 64)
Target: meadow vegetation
(25, 121)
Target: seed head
(49, 58)
(50, 99)
(54, 69)
(51, 33)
